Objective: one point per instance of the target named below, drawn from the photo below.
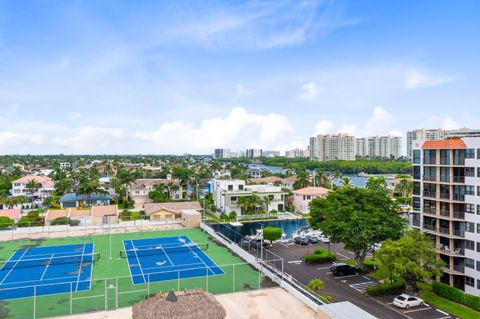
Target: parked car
(406, 301)
(324, 239)
(301, 240)
(312, 239)
(341, 269)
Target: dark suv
(341, 269)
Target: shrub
(5, 222)
(320, 255)
(387, 288)
(456, 295)
(271, 233)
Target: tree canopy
(357, 217)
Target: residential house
(95, 215)
(170, 210)
(303, 196)
(226, 194)
(276, 181)
(13, 214)
(45, 186)
(74, 200)
(140, 189)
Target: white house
(45, 186)
(226, 194)
(139, 189)
(303, 196)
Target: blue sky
(112, 76)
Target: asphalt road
(338, 288)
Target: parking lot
(346, 288)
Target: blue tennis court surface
(167, 258)
(47, 270)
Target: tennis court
(167, 258)
(47, 270)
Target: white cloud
(323, 127)
(380, 120)
(241, 91)
(348, 129)
(310, 91)
(416, 79)
(450, 124)
(395, 133)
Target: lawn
(118, 290)
(451, 307)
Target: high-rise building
(222, 153)
(271, 153)
(446, 204)
(325, 147)
(379, 146)
(297, 153)
(253, 152)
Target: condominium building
(446, 204)
(297, 153)
(325, 147)
(271, 153)
(253, 152)
(226, 194)
(221, 153)
(379, 146)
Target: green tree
(357, 217)
(232, 215)
(316, 285)
(272, 233)
(346, 181)
(302, 179)
(377, 183)
(5, 222)
(404, 188)
(245, 204)
(412, 257)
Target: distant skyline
(173, 77)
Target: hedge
(320, 255)
(456, 295)
(387, 288)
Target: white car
(406, 301)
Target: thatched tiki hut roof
(195, 304)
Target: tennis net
(83, 259)
(158, 250)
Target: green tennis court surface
(111, 282)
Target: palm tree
(316, 285)
(337, 175)
(266, 201)
(245, 204)
(302, 179)
(346, 181)
(88, 186)
(255, 201)
(321, 178)
(32, 186)
(404, 187)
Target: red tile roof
(10, 213)
(314, 191)
(445, 144)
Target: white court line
(12, 267)
(128, 261)
(416, 310)
(208, 268)
(138, 260)
(177, 265)
(80, 267)
(46, 267)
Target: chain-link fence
(34, 230)
(118, 292)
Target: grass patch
(451, 307)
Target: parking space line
(345, 276)
(295, 261)
(415, 310)
(344, 257)
(441, 311)
(321, 268)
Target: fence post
(106, 297)
(148, 285)
(178, 283)
(116, 292)
(34, 302)
(71, 298)
(233, 284)
(206, 287)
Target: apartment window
(470, 171)
(478, 171)
(478, 247)
(478, 228)
(469, 227)
(469, 281)
(416, 172)
(469, 190)
(445, 174)
(416, 156)
(240, 187)
(478, 269)
(459, 157)
(429, 206)
(429, 156)
(470, 208)
(416, 203)
(478, 153)
(230, 187)
(445, 157)
(470, 153)
(478, 190)
(429, 173)
(416, 188)
(233, 198)
(478, 284)
(470, 263)
(469, 244)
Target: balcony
(430, 211)
(429, 194)
(445, 195)
(444, 230)
(459, 268)
(459, 179)
(445, 213)
(445, 250)
(430, 178)
(459, 233)
(444, 178)
(429, 227)
(459, 215)
(459, 197)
